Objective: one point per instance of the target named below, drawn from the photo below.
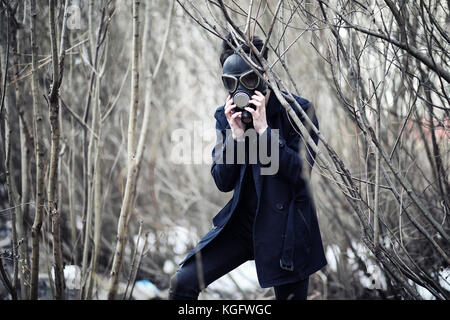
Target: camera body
(246, 116)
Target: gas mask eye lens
(230, 83)
(250, 80)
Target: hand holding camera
(256, 110)
(259, 115)
(234, 119)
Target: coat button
(279, 206)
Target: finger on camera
(257, 104)
(251, 110)
(257, 97)
(228, 102)
(236, 114)
(229, 108)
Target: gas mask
(241, 82)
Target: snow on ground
(332, 255)
(245, 276)
(444, 279)
(145, 290)
(376, 280)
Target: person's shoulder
(303, 102)
(220, 109)
(220, 112)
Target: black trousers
(231, 248)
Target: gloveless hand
(234, 119)
(258, 115)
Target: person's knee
(183, 286)
(173, 286)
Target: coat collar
(273, 106)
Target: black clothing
(243, 218)
(225, 253)
(288, 245)
(242, 221)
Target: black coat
(287, 241)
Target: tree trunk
(39, 154)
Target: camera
(246, 116)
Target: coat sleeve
(290, 163)
(225, 168)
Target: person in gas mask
(270, 218)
